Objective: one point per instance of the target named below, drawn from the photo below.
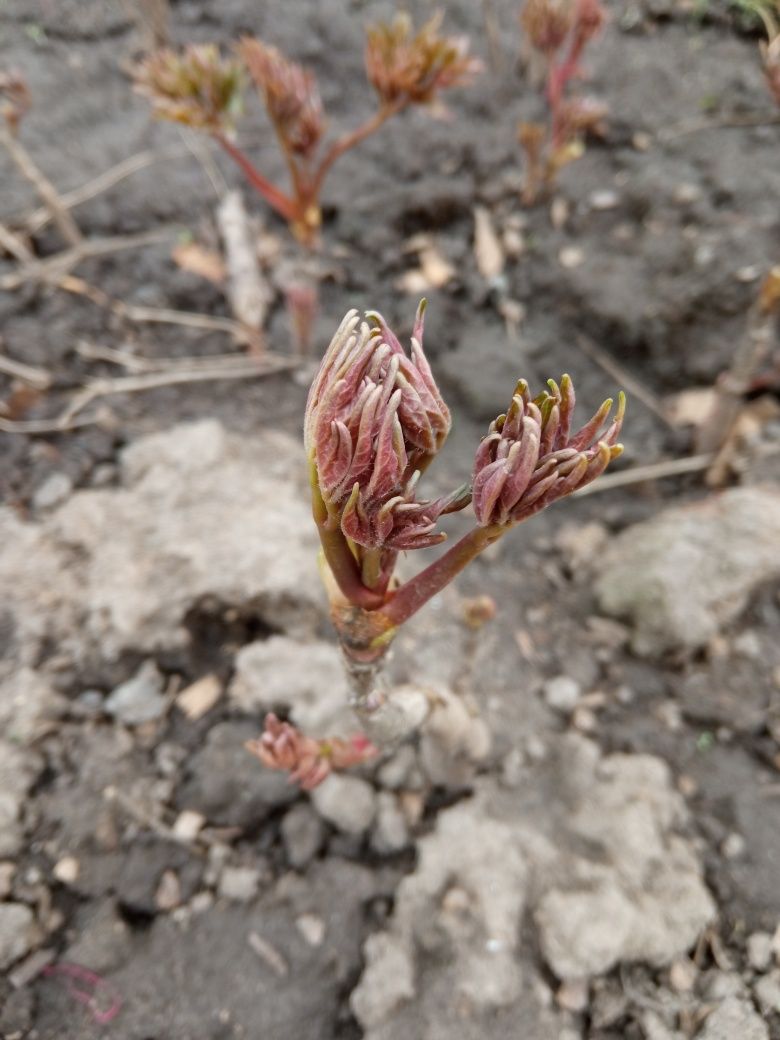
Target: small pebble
(188, 825)
(683, 975)
(573, 995)
(239, 884)
(571, 256)
(140, 699)
(66, 870)
(562, 693)
(602, 200)
(584, 720)
(759, 951)
(767, 989)
(54, 490)
(734, 846)
(303, 834)
(312, 928)
(686, 193)
(168, 894)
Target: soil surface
(268, 915)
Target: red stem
(557, 79)
(349, 140)
(283, 205)
(416, 592)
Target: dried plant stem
(15, 246)
(36, 377)
(26, 165)
(249, 294)
(54, 268)
(734, 384)
(153, 380)
(39, 218)
(653, 471)
(614, 369)
(164, 315)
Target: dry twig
(28, 168)
(653, 471)
(36, 377)
(54, 268)
(186, 374)
(614, 369)
(39, 218)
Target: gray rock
(29, 706)
(759, 951)
(142, 868)
(734, 1019)
(103, 940)
(53, 490)
(391, 832)
(347, 802)
(239, 884)
(303, 834)
(462, 905)
(683, 575)
(308, 680)
(767, 991)
(19, 769)
(18, 933)
(140, 699)
(388, 980)
(229, 786)
(562, 693)
(587, 847)
(400, 770)
(191, 525)
(648, 887)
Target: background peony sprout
(558, 32)
(375, 420)
(203, 89)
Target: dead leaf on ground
(434, 272)
(197, 259)
(200, 697)
(690, 407)
(488, 251)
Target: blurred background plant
(202, 88)
(557, 32)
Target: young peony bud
(547, 23)
(308, 761)
(374, 420)
(197, 87)
(589, 19)
(529, 459)
(290, 94)
(406, 68)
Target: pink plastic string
(98, 990)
